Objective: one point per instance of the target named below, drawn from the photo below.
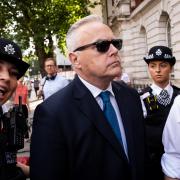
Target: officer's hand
(24, 168)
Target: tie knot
(163, 98)
(105, 96)
(164, 94)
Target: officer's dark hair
(171, 64)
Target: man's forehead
(49, 62)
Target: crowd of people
(96, 126)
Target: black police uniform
(154, 124)
(8, 169)
(156, 117)
(10, 52)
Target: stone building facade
(142, 24)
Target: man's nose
(113, 49)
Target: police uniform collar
(157, 90)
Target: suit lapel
(90, 108)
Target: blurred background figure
(36, 85)
(53, 81)
(123, 78)
(28, 83)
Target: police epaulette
(147, 89)
(176, 88)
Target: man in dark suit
(73, 137)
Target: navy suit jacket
(72, 140)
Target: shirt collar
(157, 89)
(95, 90)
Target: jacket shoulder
(124, 87)
(176, 88)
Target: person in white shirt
(170, 160)
(53, 81)
(157, 100)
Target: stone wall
(145, 27)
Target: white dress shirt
(156, 90)
(170, 160)
(52, 86)
(95, 92)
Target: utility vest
(155, 121)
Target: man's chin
(116, 73)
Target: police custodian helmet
(10, 52)
(160, 53)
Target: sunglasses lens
(117, 43)
(103, 46)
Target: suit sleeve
(48, 151)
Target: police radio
(15, 126)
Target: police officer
(11, 69)
(157, 101)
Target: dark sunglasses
(102, 45)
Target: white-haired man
(93, 128)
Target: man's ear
(73, 57)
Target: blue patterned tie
(110, 114)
